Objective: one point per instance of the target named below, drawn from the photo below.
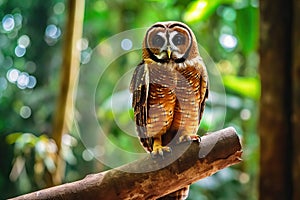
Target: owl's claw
(189, 138)
(160, 151)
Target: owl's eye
(178, 39)
(158, 41)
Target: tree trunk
(68, 82)
(276, 100)
(296, 99)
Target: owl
(169, 88)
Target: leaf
(17, 168)
(12, 138)
(50, 164)
(202, 9)
(244, 86)
(247, 27)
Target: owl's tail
(180, 194)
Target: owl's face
(166, 41)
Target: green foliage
(202, 9)
(226, 29)
(243, 86)
(42, 152)
(247, 19)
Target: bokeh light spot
(25, 112)
(23, 80)
(32, 82)
(51, 147)
(226, 30)
(12, 75)
(68, 140)
(126, 44)
(18, 20)
(229, 14)
(20, 51)
(87, 155)
(8, 22)
(52, 33)
(244, 178)
(82, 44)
(59, 8)
(98, 151)
(245, 114)
(24, 41)
(85, 57)
(228, 41)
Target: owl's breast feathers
(167, 99)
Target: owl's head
(169, 41)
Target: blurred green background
(31, 41)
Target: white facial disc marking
(172, 34)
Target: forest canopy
(32, 35)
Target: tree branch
(217, 150)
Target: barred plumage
(169, 89)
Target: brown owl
(169, 88)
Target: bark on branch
(157, 177)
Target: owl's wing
(203, 90)
(139, 88)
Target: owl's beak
(169, 52)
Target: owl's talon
(160, 151)
(153, 155)
(189, 138)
